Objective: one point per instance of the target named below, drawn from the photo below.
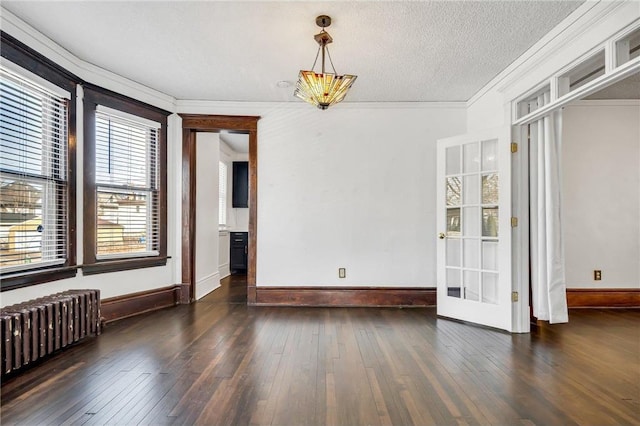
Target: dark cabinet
(238, 252)
(240, 189)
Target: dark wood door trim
(191, 124)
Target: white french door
(474, 228)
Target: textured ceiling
(238, 51)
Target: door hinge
(514, 147)
(514, 296)
(514, 222)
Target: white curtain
(547, 251)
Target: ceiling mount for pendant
(323, 89)
(323, 21)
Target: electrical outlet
(342, 272)
(597, 275)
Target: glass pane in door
(472, 199)
(454, 190)
(453, 221)
(489, 221)
(471, 158)
(471, 253)
(490, 155)
(490, 255)
(470, 194)
(471, 285)
(454, 282)
(453, 160)
(490, 189)
(490, 287)
(471, 222)
(453, 252)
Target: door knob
(442, 235)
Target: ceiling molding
(200, 106)
(578, 22)
(28, 35)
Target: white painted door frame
(520, 169)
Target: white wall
(353, 187)
(601, 193)
(206, 274)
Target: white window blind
(33, 174)
(127, 194)
(222, 193)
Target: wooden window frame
(94, 96)
(22, 55)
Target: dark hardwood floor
(220, 362)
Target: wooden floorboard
(220, 362)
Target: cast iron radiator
(39, 327)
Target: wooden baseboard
(345, 296)
(603, 298)
(129, 305)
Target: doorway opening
(191, 125)
(599, 197)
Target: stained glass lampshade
(323, 89)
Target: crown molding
(202, 106)
(578, 22)
(14, 26)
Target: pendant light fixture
(323, 89)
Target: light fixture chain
(313, 67)
(331, 62)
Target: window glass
(126, 164)
(534, 101)
(628, 48)
(33, 174)
(581, 74)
